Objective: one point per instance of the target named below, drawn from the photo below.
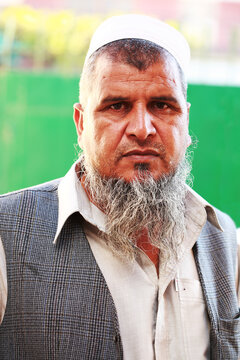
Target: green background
(37, 135)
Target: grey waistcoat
(59, 306)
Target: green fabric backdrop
(37, 135)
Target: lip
(141, 153)
(141, 156)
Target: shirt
(155, 315)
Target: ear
(189, 140)
(78, 119)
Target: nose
(140, 124)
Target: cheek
(108, 134)
(175, 140)
(180, 136)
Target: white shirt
(159, 318)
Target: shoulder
(46, 187)
(221, 238)
(217, 221)
(225, 221)
(21, 201)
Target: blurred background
(42, 48)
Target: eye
(160, 105)
(117, 106)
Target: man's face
(133, 120)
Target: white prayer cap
(142, 27)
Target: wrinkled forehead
(109, 68)
(118, 79)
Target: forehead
(112, 76)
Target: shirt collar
(72, 198)
(199, 201)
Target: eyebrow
(165, 98)
(109, 99)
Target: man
(120, 259)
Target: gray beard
(157, 206)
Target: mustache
(147, 145)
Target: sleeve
(3, 282)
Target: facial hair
(156, 206)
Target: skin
(133, 118)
